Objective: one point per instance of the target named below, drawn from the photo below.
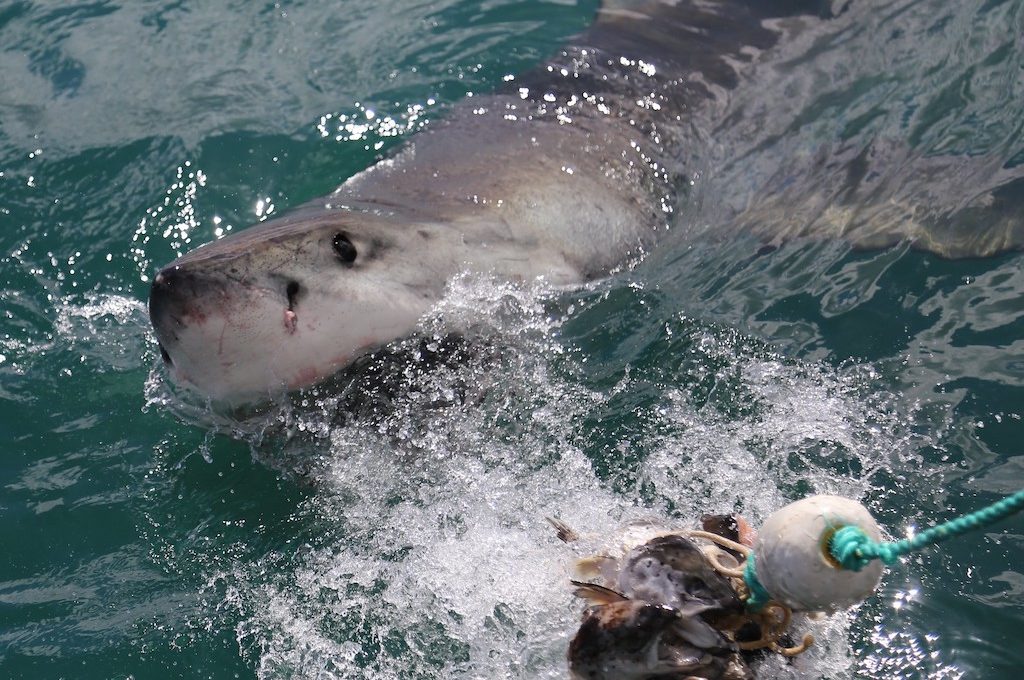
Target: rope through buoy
(759, 597)
(812, 542)
(854, 550)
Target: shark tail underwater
(569, 171)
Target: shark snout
(190, 305)
(178, 299)
(166, 306)
(165, 287)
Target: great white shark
(571, 170)
(567, 173)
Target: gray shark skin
(572, 171)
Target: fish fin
(652, 10)
(698, 633)
(566, 533)
(596, 594)
(708, 37)
(596, 567)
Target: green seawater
(145, 536)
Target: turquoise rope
(854, 550)
(758, 597)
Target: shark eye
(344, 248)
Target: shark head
(287, 303)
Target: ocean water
(393, 526)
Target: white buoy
(792, 560)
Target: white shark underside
(571, 172)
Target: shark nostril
(165, 279)
(292, 291)
(164, 355)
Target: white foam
(433, 558)
(105, 329)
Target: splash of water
(422, 551)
